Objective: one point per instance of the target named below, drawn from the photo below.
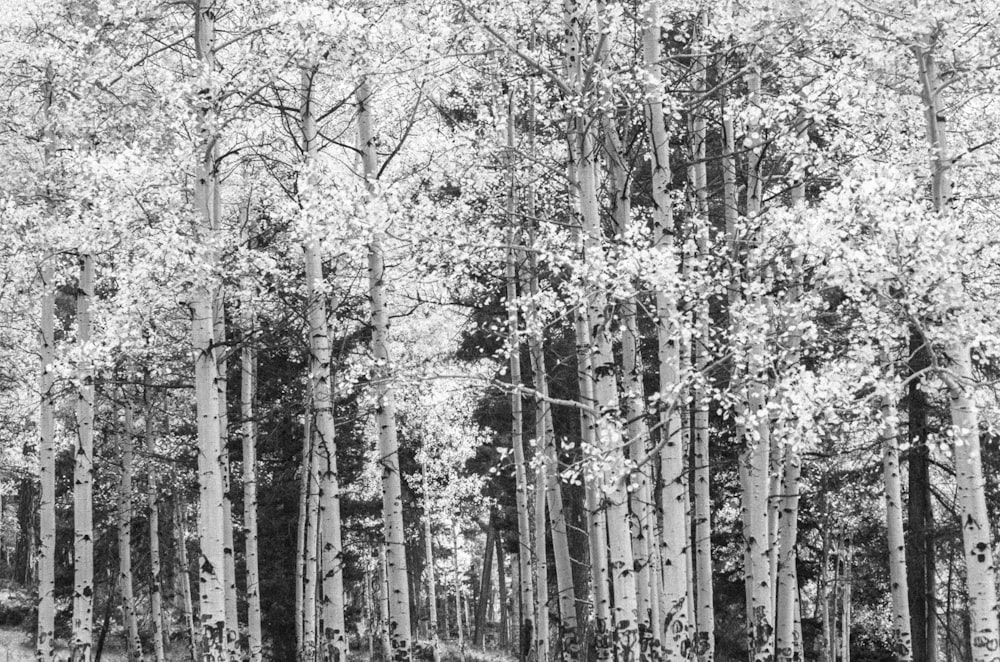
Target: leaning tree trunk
(332, 633)
(83, 478)
(45, 644)
(392, 503)
(153, 505)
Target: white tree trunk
(672, 465)
(83, 477)
(133, 645)
(786, 645)
(541, 566)
(248, 385)
(431, 578)
(332, 635)
(902, 642)
(974, 519)
(222, 385)
(153, 505)
(392, 502)
(525, 626)
(187, 605)
(45, 642)
(458, 593)
(211, 512)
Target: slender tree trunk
(187, 605)
(311, 559)
(786, 645)
(222, 385)
(332, 635)
(502, 586)
(248, 385)
(133, 646)
(305, 485)
(431, 578)
(758, 441)
(153, 505)
(526, 634)
(211, 513)
(672, 466)
(848, 605)
(458, 594)
(392, 504)
(485, 585)
(541, 566)
(974, 517)
(894, 531)
(383, 604)
(83, 476)
(45, 643)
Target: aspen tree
(392, 502)
(541, 565)
(187, 605)
(153, 506)
(45, 642)
(332, 635)
(300, 538)
(673, 557)
(213, 637)
(248, 385)
(544, 427)
(83, 474)
(526, 635)
(960, 381)
(133, 646)
(458, 592)
(431, 575)
(644, 538)
(894, 531)
(309, 525)
(222, 385)
(620, 562)
(704, 631)
(756, 457)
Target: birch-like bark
(45, 642)
(248, 385)
(541, 567)
(786, 645)
(392, 502)
(760, 625)
(310, 555)
(609, 433)
(526, 634)
(431, 577)
(300, 539)
(213, 638)
(133, 645)
(674, 560)
(974, 517)
(502, 591)
(902, 645)
(332, 635)
(153, 505)
(83, 477)
(187, 604)
(222, 386)
(458, 593)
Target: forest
(533, 331)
